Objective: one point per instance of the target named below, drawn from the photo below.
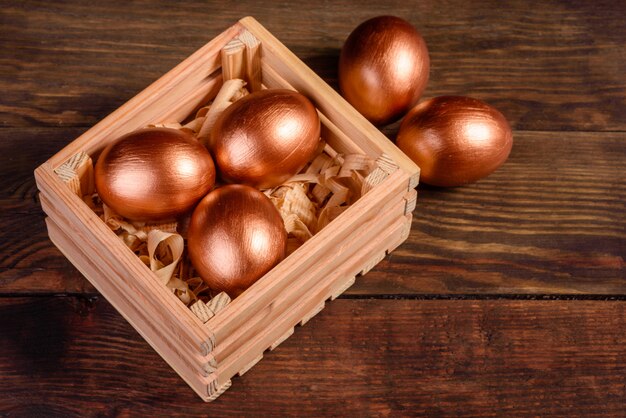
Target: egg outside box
(208, 349)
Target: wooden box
(207, 355)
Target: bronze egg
(154, 174)
(383, 68)
(265, 138)
(235, 236)
(455, 140)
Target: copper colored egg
(383, 68)
(235, 236)
(455, 140)
(265, 138)
(154, 174)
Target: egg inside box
(347, 208)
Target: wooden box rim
(204, 337)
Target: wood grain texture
(550, 221)
(555, 67)
(443, 358)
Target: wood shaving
(230, 92)
(321, 192)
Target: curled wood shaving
(230, 91)
(320, 193)
(293, 200)
(202, 123)
(170, 125)
(160, 248)
(165, 250)
(117, 222)
(93, 201)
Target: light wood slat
(68, 209)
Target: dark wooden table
(509, 297)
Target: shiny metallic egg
(265, 138)
(383, 68)
(455, 140)
(154, 174)
(235, 236)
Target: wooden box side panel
(172, 97)
(123, 293)
(149, 330)
(340, 112)
(67, 207)
(307, 282)
(329, 287)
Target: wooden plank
(558, 67)
(131, 294)
(24, 150)
(547, 222)
(444, 357)
(139, 313)
(550, 221)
